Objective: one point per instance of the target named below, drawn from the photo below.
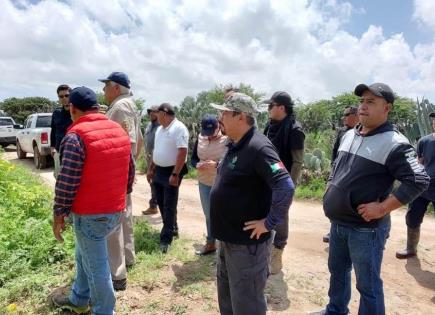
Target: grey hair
(123, 89)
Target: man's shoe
(63, 302)
(322, 312)
(175, 234)
(326, 238)
(276, 260)
(206, 249)
(164, 248)
(411, 244)
(150, 210)
(119, 285)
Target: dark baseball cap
(280, 97)
(154, 108)
(432, 115)
(118, 77)
(378, 89)
(167, 108)
(209, 123)
(83, 98)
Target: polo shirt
(167, 141)
(241, 191)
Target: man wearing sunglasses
(60, 121)
(288, 138)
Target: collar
(120, 97)
(246, 137)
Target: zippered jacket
(365, 171)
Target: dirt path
(302, 287)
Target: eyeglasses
(62, 96)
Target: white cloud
(424, 12)
(172, 49)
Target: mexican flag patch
(276, 167)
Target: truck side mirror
(17, 126)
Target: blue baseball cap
(118, 77)
(209, 123)
(83, 98)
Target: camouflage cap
(238, 102)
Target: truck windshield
(6, 122)
(43, 122)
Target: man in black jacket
(251, 194)
(360, 197)
(288, 138)
(60, 121)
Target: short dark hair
(63, 87)
(352, 109)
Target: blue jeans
(363, 249)
(93, 280)
(204, 194)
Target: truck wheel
(39, 160)
(20, 153)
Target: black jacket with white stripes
(365, 170)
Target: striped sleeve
(72, 156)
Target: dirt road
(302, 287)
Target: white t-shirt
(167, 142)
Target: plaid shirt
(72, 152)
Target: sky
(313, 49)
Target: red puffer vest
(103, 184)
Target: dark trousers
(417, 208)
(153, 200)
(242, 272)
(167, 199)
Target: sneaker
(150, 210)
(63, 302)
(322, 312)
(326, 238)
(119, 285)
(175, 233)
(206, 249)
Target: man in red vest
(96, 173)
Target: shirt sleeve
(182, 138)
(268, 166)
(403, 166)
(72, 155)
(297, 139)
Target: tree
(193, 109)
(20, 108)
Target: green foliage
(20, 108)
(28, 249)
(314, 189)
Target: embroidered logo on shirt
(276, 167)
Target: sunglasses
(62, 96)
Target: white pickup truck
(8, 131)
(35, 138)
